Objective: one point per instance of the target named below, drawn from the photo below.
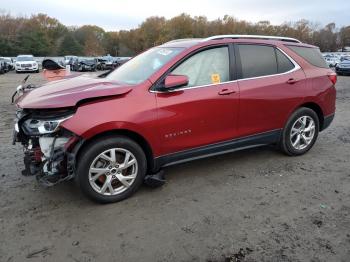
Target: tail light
(333, 77)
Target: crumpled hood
(68, 92)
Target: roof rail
(265, 37)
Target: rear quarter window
(283, 63)
(311, 55)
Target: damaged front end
(49, 149)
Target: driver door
(203, 112)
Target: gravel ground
(254, 205)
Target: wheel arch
(317, 109)
(139, 139)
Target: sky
(127, 14)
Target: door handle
(226, 91)
(292, 81)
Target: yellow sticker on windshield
(215, 78)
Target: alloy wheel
(113, 171)
(302, 132)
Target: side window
(206, 67)
(257, 60)
(283, 63)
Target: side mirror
(172, 81)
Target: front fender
(117, 114)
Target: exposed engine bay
(48, 148)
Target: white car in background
(26, 63)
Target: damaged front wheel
(111, 169)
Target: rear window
(311, 55)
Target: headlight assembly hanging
(42, 126)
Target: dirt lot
(255, 205)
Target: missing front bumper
(51, 158)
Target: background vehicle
(84, 64)
(100, 62)
(6, 65)
(121, 60)
(70, 60)
(345, 57)
(107, 63)
(332, 61)
(26, 63)
(177, 102)
(343, 68)
(2, 66)
(9, 63)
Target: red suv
(183, 100)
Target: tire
(37, 71)
(95, 155)
(305, 133)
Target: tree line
(42, 35)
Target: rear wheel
(111, 169)
(300, 132)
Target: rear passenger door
(271, 84)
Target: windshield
(144, 65)
(25, 58)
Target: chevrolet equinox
(183, 100)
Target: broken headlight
(33, 126)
